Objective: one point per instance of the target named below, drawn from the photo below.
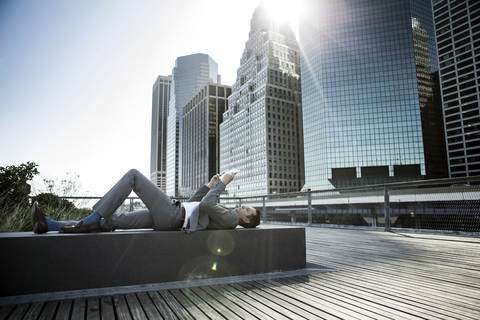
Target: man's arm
(198, 196)
(216, 187)
(201, 192)
(222, 217)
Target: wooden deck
(378, 275)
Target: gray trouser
(163, 213)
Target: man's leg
(166, 215)
(140, 219)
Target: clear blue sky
(76, 77)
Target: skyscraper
(371, 104)
(261, 133)
(457, 26)
(158, 151)
(190, 74)
(202, 116)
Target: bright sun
(284, 10)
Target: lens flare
(214, 267)
(220, 243)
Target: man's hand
(214, 180)
(228, 177)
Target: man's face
(244, 211)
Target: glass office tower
(371, 107)
(457, 26)
(158, 151)
(202, 116)
(190, 74)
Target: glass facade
(457, 26)
(369, 93)
(158, 151)
(190, 74)
(202, 116)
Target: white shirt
(189, 208)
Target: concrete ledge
(56, 262)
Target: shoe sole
(35, 223)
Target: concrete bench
(56, 262)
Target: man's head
(248, 217)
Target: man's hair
(254, 220)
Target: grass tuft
(18, 218)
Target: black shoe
(81, 228)
(39, 222)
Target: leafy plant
(14, 188)
(15, 207)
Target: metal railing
(447, 206)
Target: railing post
(310, 219)
(386, 206)
(131, 205)
(264, 212)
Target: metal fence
(446, 206)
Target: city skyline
(75, 81)
(76, 78)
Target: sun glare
(284, 10)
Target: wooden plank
(442, 292)
(413, 276)
(174, 305)
(148, 306)
(214, 303)
(19, 311)
(278, 305)
(231, 303)
(161, 305)
(292, 301)
(433, 272)
(207, 310)
(432, 292)
(359, 308)
(106, 308)
(93, 308)
(189, 306)
(390, 279)
(333, 308)
(363, 255)
(5, 311)
(78, 311)
(393, 298)
(121, 307)
(348, 297)
(135, 307)
(243, 300)
(33, 311)
(64, 310)
(49, 311)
